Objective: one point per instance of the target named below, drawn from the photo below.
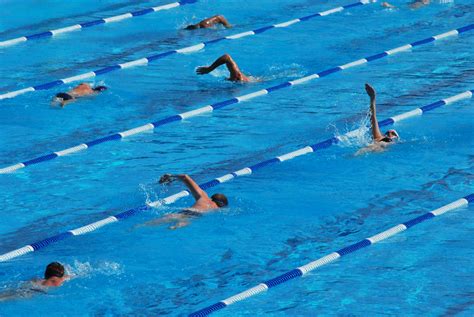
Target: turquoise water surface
(279, 218)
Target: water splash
(290, 71)
(86, 269)
(356, 136)
(149, 193)
(219, 72)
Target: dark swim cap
(99, 88)
(220, 200)
(54, 269)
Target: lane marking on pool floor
(303, 270)
(190, 49)
(108, 20)
(223, 104)
(223, 179)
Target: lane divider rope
(223, 179)
(185, 50)
(90, 24)
(303, 270)
(225, 103)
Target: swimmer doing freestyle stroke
(80, 90)
(209, 22)
(54, 276)
(414, 5)
(203, 203)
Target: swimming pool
(281, 217)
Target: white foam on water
(149, 193)
(291, 71)
(356, 136)
(85, 269)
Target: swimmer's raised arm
(224, 59)
(217, 19)
(235, 73)
(209, 22)
(387, 5)
(193, 187)
(376, 134)
(222, 20)
(419, 3)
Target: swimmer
(387, 5)
(203, 204)
(419, 3)
(54, 276)
(81, 90)
(414, 5)
(235, 73)
(210, 22)
(380, 141)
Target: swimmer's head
(220, 200)
(99, 88)
(54, 269)
(192, 27)
(392, 134)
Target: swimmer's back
(191, 212)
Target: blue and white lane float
(305, 269)
(225, 103)
(185, 50)
(90, 24)
(225, 178)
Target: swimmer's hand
(370, 91)
(166, 179)
(202, 70)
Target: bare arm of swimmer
(419, 3)
(376, 134)
(217, 19)
(388, 5)
(235, 73)
(193, 187)
(203, 202)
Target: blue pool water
(281, 217)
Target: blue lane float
(222, 104)
(190, 49)
(215, 182)
(89, 24)
(305, 269)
